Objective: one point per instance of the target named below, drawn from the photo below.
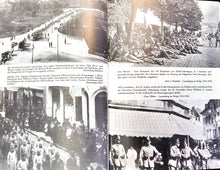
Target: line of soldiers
(149, 46)
(23, 152)
(149, 157)
(89, 145)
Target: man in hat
(22, 163)
(57, 164)
(5, 144)
(186, 156)
(175, 155)
(11, 159)
(147, 155)
(118, 155)
(38, 161)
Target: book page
(163, 84)
(53, 84)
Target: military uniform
(118, 157)
(174, 162)
(147, 156)
(186, 157)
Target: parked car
(37, 35)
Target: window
(78, 103)
(214, 133)
(211, 120)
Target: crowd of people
(22, 151)
(180, 157)
(148, 45)
(86, 148)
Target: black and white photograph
(164, 33)
(164, 134)
(53, 128)
(42, 31)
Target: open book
(118, 84)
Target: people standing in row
(119, 160)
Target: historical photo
(36, 31)
(53, 128)
(168, 33)
(164, 134)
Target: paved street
(214, 164)
(210, 57)
(64, 48)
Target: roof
(140, 123)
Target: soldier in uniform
(175, 155)
(147, 155)
(186, 157)
(217, 38)
(12, 159)
(118, 155)
(57, 164)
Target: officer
(147, 155)
(118, 155)
(175, 155)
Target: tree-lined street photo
(164, 33)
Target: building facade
(154, 118)
(211, 119)
(78, 105)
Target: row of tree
(21, 6)
(180, 13)
(183, 13)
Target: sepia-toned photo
(53, 128)
(42, 31)
(168, 33)
(164, 134)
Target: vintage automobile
(5, 56)
(37, 35)
(24, 45)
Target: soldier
(210, 39)
(204, 155)
(217, 38)
(71, 163)
(47, 163)
(57, 163)
(175, 155)
(51, 151)
(24, 149)
(38, 161)
(5, 144)
(12, 159)
(22, 163)
(118, 155)
(147, 155)
(186, 153)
